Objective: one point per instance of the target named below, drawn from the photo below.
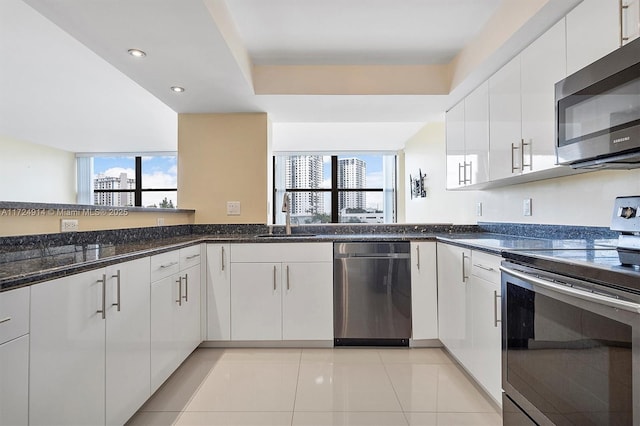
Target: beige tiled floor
(304, 387)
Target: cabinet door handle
(621, 9)
(530, 146)
(274, 277)
(117, 276)
(168, 265)
(222, 259)
(179, 301)
(495, 308)
(288, 282)
(3, 320)
(470, 172)
(193, 256)
(464, 272)
(514, 168)
(103, 311)
(418, 257)
(186, 288)
(461, 180)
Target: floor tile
(183, 384)
(344, 387)
(457, 394)
(235, 419)
(422, 419)
(247, 386)
(416, 385)
(266, 355)
(468, 419)
(348, 419)
(154, 418)
(342, 355)
(415, 356)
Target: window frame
(334, 189)
(138, 189)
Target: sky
(157, 172)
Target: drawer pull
(168, 265)
(486, 268)
(7, 319)
(193, 256)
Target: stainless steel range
(571, 330)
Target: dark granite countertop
(31, 259)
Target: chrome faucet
(286, 208)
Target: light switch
(233, 208)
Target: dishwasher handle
(372, 256)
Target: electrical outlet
(160, 221)
(526, 207)
(233, 208)
(68, 225)
(479, 209)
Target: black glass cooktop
(601, 265)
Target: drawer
(164, 265)
(14, 313)
(281, 252)
(190, 256)
(486, 266)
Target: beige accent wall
(351, 79)
(223, 157)
(14, 222)
(36, 173)
(426, 150)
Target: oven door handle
(571, 291)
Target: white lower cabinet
(486, 332)
(218, 293)
(454, 265)
(282, 292)
(469, 312)
(67, 354)
(94, 328)
(424, 291)
(175, 315)
(14, 357)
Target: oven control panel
(626, 215)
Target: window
(143, 181)
(346, 188)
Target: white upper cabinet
(593, 30)
(476, 135)
(630, 20)
(468, 139)
(537, 150)
(455, 145)
(505, 125)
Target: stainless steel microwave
(598, 113)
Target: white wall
(426, 151)
(36, 173)
(584, 199)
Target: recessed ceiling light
(177, 89)
(137, 53)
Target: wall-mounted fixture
(418, 188)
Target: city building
(352, 174)
(306, 172)
(120, 199)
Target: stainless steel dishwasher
(372, 294)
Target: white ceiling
(69, 82)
